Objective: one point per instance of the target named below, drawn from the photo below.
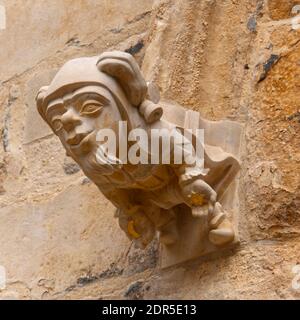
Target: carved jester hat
(117, 79)
(116, 71)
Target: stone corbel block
(192, 205)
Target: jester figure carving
(90, 94)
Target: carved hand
(198, 193)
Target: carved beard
(98, 162)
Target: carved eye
(91, 108)
(57, 125)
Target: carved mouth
(80, 141)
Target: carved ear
(40, 99)
(123, 67)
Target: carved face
(77, 117)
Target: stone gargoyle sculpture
(93, 93)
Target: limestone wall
(228, 59)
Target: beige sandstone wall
(230, 59)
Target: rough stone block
(35, 127)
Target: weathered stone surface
(273, 133)
(70, 166)
(35, 128)
(32, 189)
(71, 232)
(200, 53)
(281, 9)
(42, 28)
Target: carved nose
(70, 120)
